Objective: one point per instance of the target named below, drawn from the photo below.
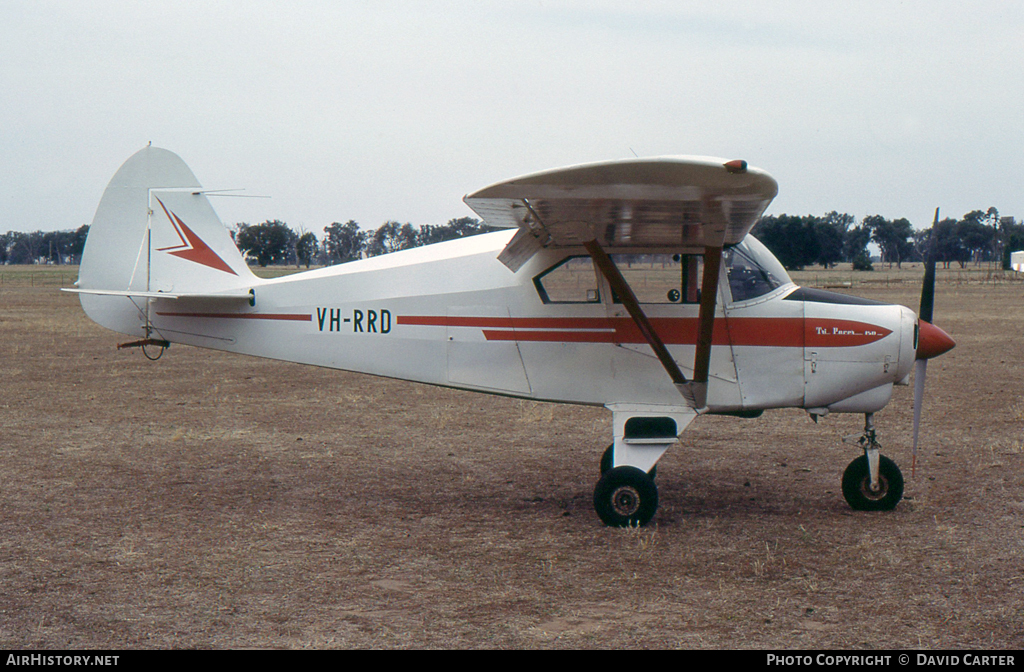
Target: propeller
(931, 340)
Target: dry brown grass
(208, 500)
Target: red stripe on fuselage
(246, 316)
(785, 332)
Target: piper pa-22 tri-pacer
(629, 284)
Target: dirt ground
(213, 501)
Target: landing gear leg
(608, 459)
(872, 482)
(626, 495)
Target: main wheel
(606, 462)
(625, 497)
(857, 485)
(606, 459)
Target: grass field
(210, 500)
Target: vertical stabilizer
(154, 231)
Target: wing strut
(705, 326)
(695, 392)
(625, 293)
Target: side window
(574, 280)
(747, 280)
(662, 278)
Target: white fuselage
(452, 314)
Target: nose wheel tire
(857, 485)
(625, 497)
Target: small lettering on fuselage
(369, 321)
(836, 331)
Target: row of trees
(800, 241)
(797, 241)
(50, 247)
(273, 242)
(270, 243)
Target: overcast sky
(385, 110)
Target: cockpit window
(662, 278)
(753, 271)
(665, 278)
(574, 280)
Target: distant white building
(1017, 261)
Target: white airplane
(627, 284)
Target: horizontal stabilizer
(219, 296)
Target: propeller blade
(928, 288)
(932, 341)
(920, 372)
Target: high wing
(679, 203)
(675, 204)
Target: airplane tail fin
(155, 235)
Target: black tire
(626, 497)
(606, 459)
(857, 485)
(606, 462)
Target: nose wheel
(872, 482)
(857, 485)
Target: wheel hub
(874, 495)
(626, 500)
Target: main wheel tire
(626, 497)
(607, 460)
(857, 485)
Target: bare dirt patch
(210, 500)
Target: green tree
(948, 245)
(830, 231)
(921, 241)
(63, 247)
(862, 261)
(24, 248)
(306, 248)
(343, 242)
(1011, 235)
(269, 243)
(976, 235)
(392, 237)
(455, 228)
(77, 243)
(855, 244)
(1013, 239)
(792, 239)
(892, 237)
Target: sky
(387, 110)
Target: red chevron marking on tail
(192, 246)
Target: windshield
(753, 270)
